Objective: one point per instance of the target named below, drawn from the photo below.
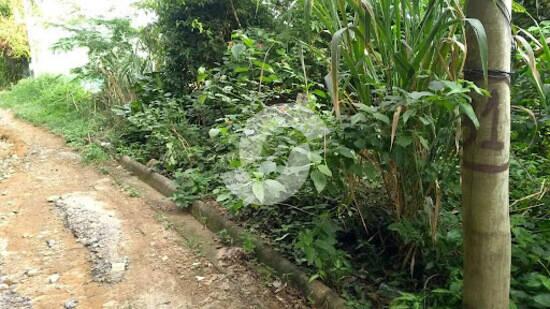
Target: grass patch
(63, 106)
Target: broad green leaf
(223, 197)
(273, 186)
(518, 8)
(381, 117)
(264, 66)
(271, 78)
(248, 42)
(410, 112)
(202, 98)
(481, 38)
(240, 69)
(403, 141)
(468, 110)
(214, 132)
(314, 157)
(436, 85)
(258, 190)
(235, 163)
(543, 299)
(268, 167)
(359, 117)
(237, 51)
(416, 95)
(319, 180)
(346, 152)
(425, 121)
(423, 142)
(320, 93)
(324, 169)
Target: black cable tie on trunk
(491, 74)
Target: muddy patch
(98, 230)
(9, 298)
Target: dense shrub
(117, 58)
(14, 48)
(12, 70)
(187, 29)
(378, 217)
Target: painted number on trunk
(492, 142)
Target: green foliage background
(14, 47)
(379, 217)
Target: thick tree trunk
(485, 162)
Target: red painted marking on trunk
(486, 168)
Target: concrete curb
(206, 212)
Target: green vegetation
(62, 105)
(14, 48)
(378, 218)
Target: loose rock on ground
(75, 238)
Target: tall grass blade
(481, 38)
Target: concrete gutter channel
(207, 213)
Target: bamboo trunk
(485, 163)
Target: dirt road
(72, 237)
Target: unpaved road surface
(72, 237)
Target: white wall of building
(42, 35)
